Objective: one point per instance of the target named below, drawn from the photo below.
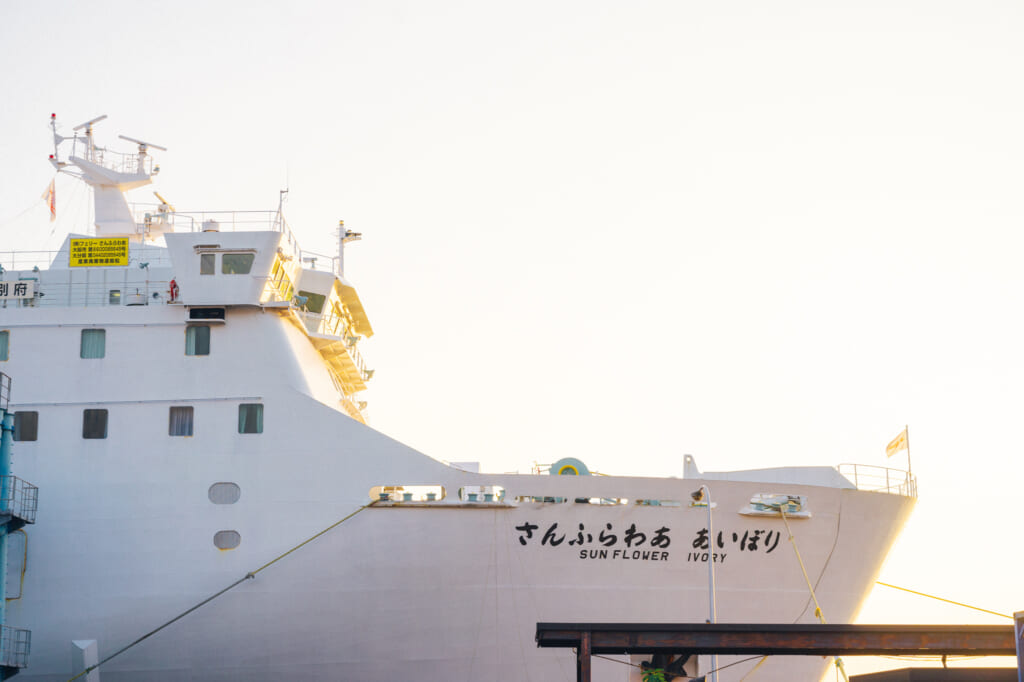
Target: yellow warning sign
(98, 252)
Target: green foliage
(653, 675)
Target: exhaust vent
(206, 313)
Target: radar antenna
(90, 148)
(143, 146)
(88, 124)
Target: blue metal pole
(6, 446)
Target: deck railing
(330, 324)
(107, 291)
(18, 498)
(15, 646)
(880, 479)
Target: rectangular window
(5, 342)
(115, 297)
(180, 421)
(250, 418)
(207, 263)
(236, 263)
(94, 343)
(197, 339)
(94, 424)
(26, 425)
(314, 302)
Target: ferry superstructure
(187, 400)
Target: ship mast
(110, 175)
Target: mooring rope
(247, 576)
(817, 607)
(948, 601)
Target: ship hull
(432, 590)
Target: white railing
(25, 261)
(120, 162)
(880, 479)
(148, 215)
(332, 325)
(226, 221)
(96, 294)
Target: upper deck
(142, 255)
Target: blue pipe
(6, 446)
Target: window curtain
(181, 421)
(250, 418)
(94, 342)
(197, 340)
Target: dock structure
(18, 502)
(770, 639)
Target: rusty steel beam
(775, 639)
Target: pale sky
(762, 233)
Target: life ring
(174, 290)
(569, 466)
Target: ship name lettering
(624, 555)
(703, 556)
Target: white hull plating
(440, 591)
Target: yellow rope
(247, 576)
(948, 601)
(807, 579)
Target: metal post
(1018, 632)
(705, 494)
(711, 581)
(6, 441)
(583, 658)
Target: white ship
(186, 388)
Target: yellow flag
(898, 443)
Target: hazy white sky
(764, 233)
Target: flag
(898, 443)
(50, 197)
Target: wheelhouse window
(314, 302)
(94, 424)
(180, 421)
(197, 339)
(94, 343)
(236, 263)
(26, 425)
(207, 263)
(5, 342)
(250, 418)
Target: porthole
(227, 539)
(224, 493)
